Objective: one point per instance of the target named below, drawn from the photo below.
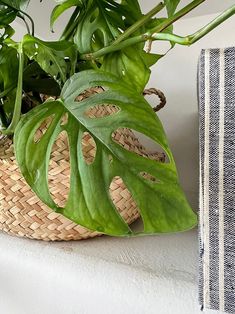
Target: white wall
(176, 76)
(40, 11)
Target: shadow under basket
(23, 214)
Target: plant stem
(25, 22)
(113, 48)
(31, 20)
(212, 25)
(191, 39)
(132, 29)
(142, 38)
(188, 8)
(187, 40)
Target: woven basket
(24, 215)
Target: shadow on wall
(185, 146)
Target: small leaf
(163, 206)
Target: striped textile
(216, 84)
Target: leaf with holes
(162, 204)
(56, 58)
(101, 22)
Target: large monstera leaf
(162, 204)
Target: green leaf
(101, 22)
(9, 10)
(7, 15)
(151, 58)
(61, 8)
(171, 6)
(131, 10)
(57, 58)
(8, 82)
(163, 205)
(16, 112)
(16, 4)
(6, 32)
(130, 66)
(8, 69)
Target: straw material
(23, 214)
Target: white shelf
(146, 275)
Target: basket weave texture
(23, 214)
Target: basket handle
(161, 96)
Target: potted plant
(88, 87)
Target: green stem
(18, 101)
(25, 22)
(212, 25)
(112, 48)
(187, 40)
(188, 8)
(132, 29)
(31, 20)
(118, 42)
(191, 39)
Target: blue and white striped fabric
(216, 83)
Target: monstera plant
(103, 45)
